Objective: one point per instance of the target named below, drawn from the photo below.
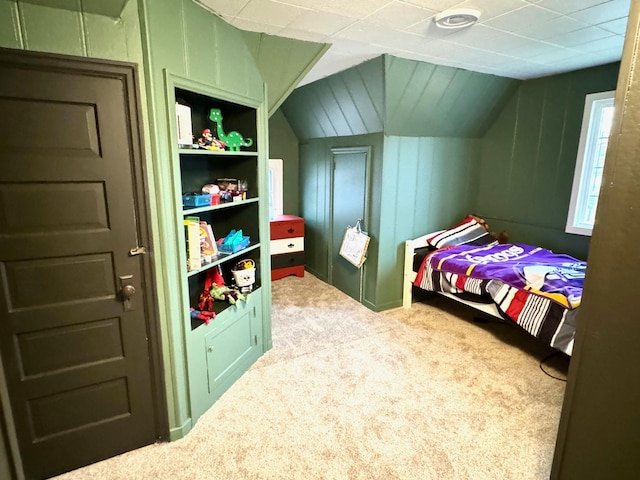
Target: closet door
(348, 204)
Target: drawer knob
(291, 230)
(291, 245)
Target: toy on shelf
(209, 142)
(233, 242)
(244, 275)
(233, 140)
(204, 315)
(215, 289)
(214, 191)
(232, 189)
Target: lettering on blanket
(515, 252)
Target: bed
(535, 288)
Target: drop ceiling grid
(514, 38)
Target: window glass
(594, 137)
(275, 187)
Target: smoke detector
(457, 18)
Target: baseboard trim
(179, 432)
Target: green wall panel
(529, 155)
(345, 104)
(426, 100)
(110, 8)
(200, 40)
(315, 200)
(10, 25)
(53, 30)
(282, 62)
(314, 205)
(428, 183)
(417, 185)
(99, 28)
(283, 144)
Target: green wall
(417, 185)
(315, 200)
(529, 155)
(427, 100)
(283, 144)
(427, 183)
(423, 118)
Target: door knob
(128, 291)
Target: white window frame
(593, 105)
(275, 187)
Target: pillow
(467, 232)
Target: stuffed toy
(205, 302)
(215, 289)
(226, 293)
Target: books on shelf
(201, 243)
(208, 247)
(192, 235)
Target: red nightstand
(287, 246)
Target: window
(594, 137)
(275, 187)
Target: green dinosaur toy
(233, 140)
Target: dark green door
(348, 204)
(75, 353)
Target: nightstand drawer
(287, 260)
(287, 245)
(288, 229)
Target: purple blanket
(556, 276)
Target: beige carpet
(347, 393)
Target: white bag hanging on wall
(354, 245)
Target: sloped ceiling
(427, 100)
(282, 62)
(348, 103)
(398, 97)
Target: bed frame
(410, 276)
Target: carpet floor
(347, 393)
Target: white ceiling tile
(618, 26)
(604, 12)
(527, 18)
(351, 8)
(490, 39)
(224, 7)
(437, 5)
(320, 22)
(577, 37)
(398, 15)
(569, 6)
(491, 8)
(554, 55)
(528, 50)
(613, 42)
(554, 27)
(272, 13)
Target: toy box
(192, 200)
